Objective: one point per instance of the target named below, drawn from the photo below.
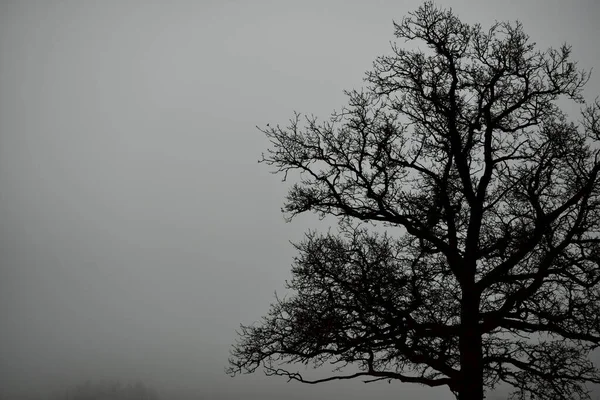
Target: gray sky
(136, 228)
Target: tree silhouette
(489, 267)
(107, 390)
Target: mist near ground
(137, 230)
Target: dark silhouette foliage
(489, 268)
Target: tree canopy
(488, 271)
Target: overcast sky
(136, 228)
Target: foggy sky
(136, 228)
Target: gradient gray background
(136, 228)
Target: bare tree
(488, 270)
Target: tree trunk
(471, 355)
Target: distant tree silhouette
(489, 267)
(108, 390)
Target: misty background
(137, 230)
